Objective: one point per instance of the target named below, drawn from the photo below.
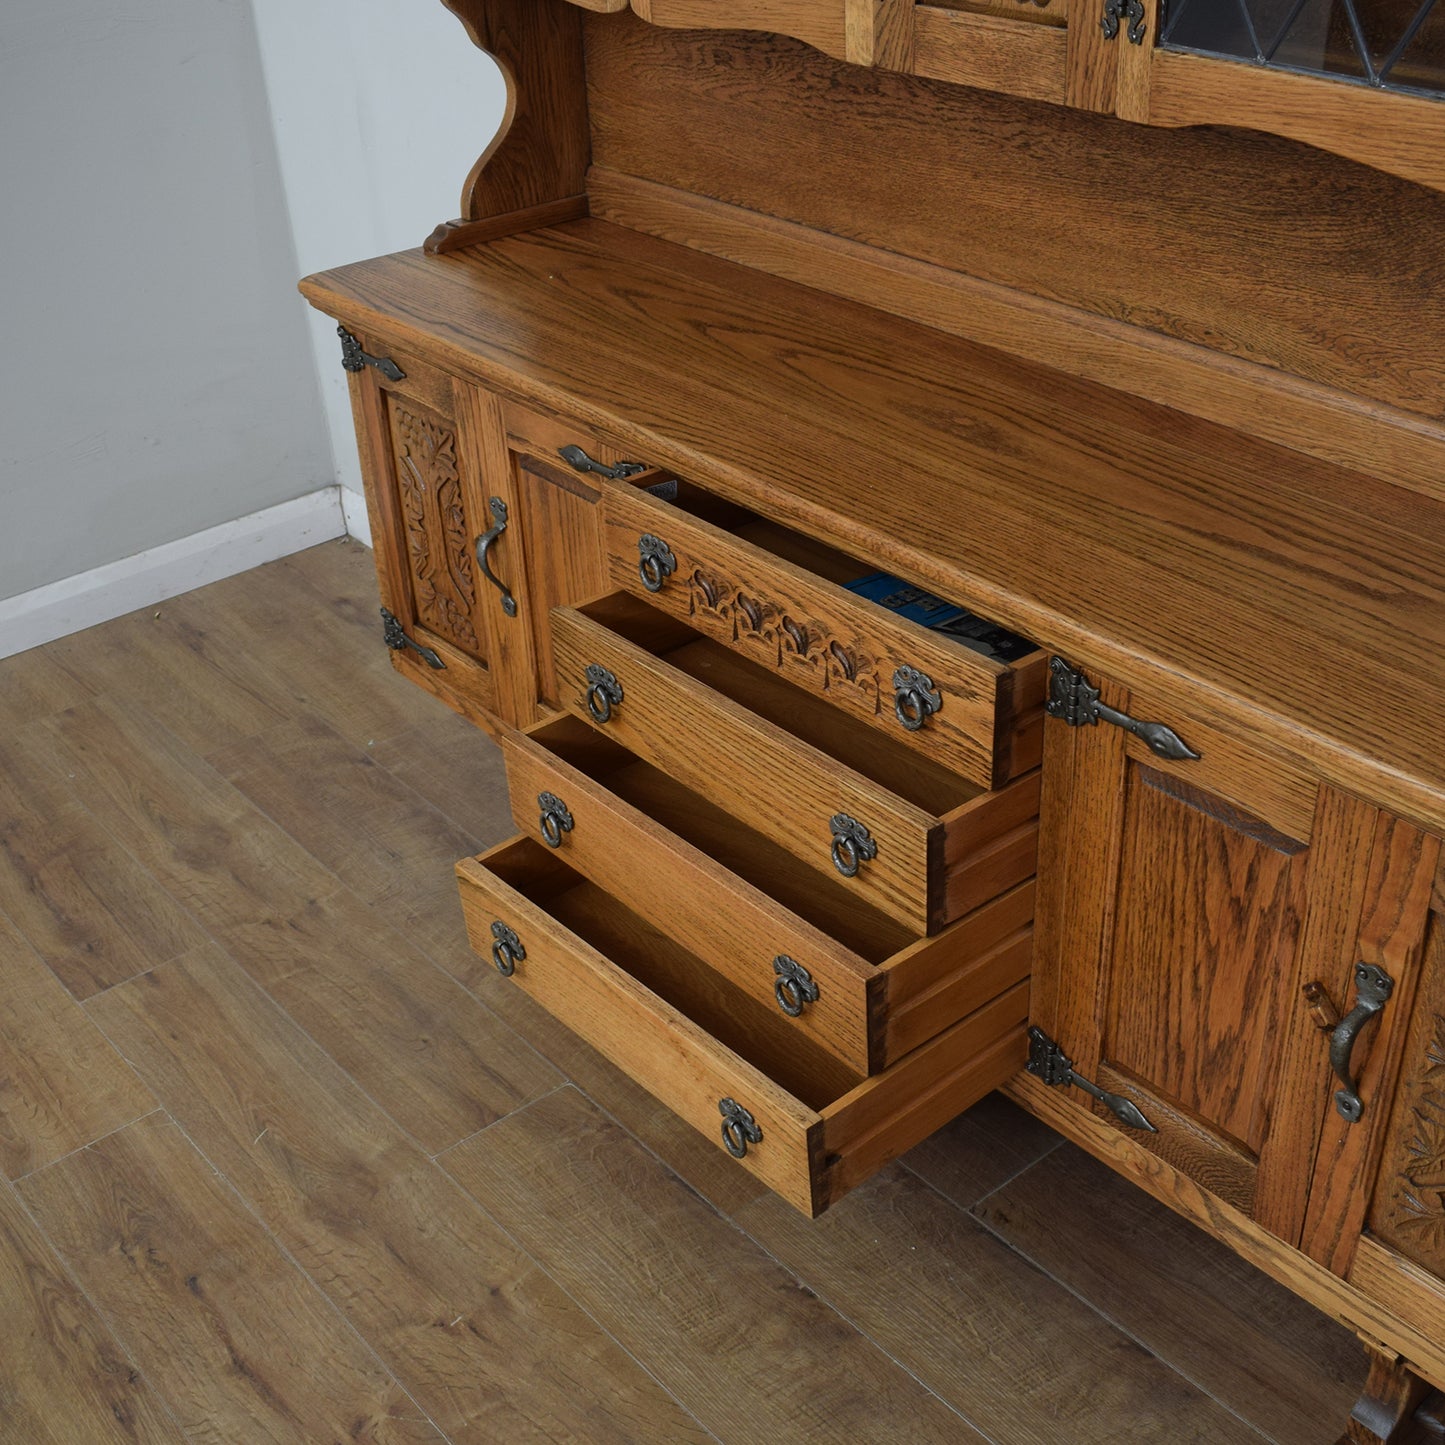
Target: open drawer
(852, 980)
(805, 1124)
(915, 840)
(777, 596)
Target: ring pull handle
(655, 561)
(484, 546)
(579, 461)
(555, 819)
(739, 1128)
(604, 692)
(915, 698)
(794, 987)
(853, 845)
(1373, 987)
(507, 950)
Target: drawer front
(808, 1152)
(988, 724)
(732, 926)
(778, 784)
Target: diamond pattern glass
(1390, 44)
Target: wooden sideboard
(775, 333)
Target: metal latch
(1074, 700)
(1049, 1062)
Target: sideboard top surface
(1300, 603)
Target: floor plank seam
(305, 1274)
(99, 1138)
(491, 1124)
(542, 1269)
(1117, 1325)
(106, 1322)
(887, 1354)
(988, 1194)
(791, 1273)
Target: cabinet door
(1400, 1258)
(1184, 906)
(423, 504)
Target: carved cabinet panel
(423, 500)
(1202, 923)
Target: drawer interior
(830, 906)
(806, 716)
(747, 1026)
(820, 558)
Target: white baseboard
(74, 603)
(358, 523)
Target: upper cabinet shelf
(1362, 78)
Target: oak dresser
(943, 506)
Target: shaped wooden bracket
(534, 172)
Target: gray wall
(381, 107)
(156, 375)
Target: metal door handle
(484, 546)
(1373, 987)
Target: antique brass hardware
(853, 845)
(739, 1128)
(604, 692)
(1053, 1066)
(794, 987)
(915, 698)
(655, 561)
(353, 358)
(1075, 701)
(484, 546)
(1373, 987)
(555, 819)
(507, 950)
(579, 461)
(394, 635)
(1118, 10)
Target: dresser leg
(1385, 1413)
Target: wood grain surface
(298, 1030)
(1164, 505)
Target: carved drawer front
(775, 596)
(843, 976)
(905, 835)
(730, 1064)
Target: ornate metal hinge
(1053, 1066)
(394, 635)
(1130, 10)
(353, 358)
(579, 461)
(1073, 700)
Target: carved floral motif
(438, 541)
(773, 634)
(1417, 1197)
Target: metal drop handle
(604, 692)
(794, 987)
(853, 845)
(507, 950)
(484, 546)
(555, 819)
(1373, 987)
(739, 1128)
(915, 697)
(579, 461)
(655, 561)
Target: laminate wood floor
(281, 1161)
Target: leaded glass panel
(1391, 44)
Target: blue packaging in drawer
(948, 618)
